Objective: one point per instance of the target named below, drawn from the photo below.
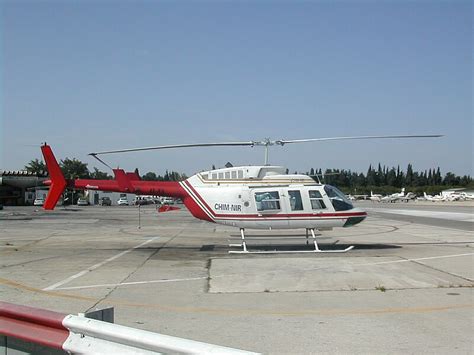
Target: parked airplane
(408, 197)
(467, 196)
(375, 197)
(358, 197)
(457, 195)
(435, 198)
(398, 197)
(394, 197)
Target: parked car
(105, 201)
(38, 202)
(122, 201)
(139, 200)
(82, 202)
(167, 201)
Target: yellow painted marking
(239, 312)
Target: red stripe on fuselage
(195, 209)
(199, 198)
(194, 205)
(295, 216)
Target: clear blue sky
(93, 75)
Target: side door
(295, 201)
(299, 211)
(270, 207)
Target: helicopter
(245, 197)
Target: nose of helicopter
(357, 216)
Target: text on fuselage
(227, 207)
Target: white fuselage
(266, 198)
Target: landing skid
(315, 250)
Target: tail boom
(123, 182)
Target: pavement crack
(439, 270)
(33, 243)
(207, 286)
(29, 262)
(130, 274)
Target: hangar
(18, 187)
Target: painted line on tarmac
(231, 275)
(133, 283)
(452, 216)
(415, 259)
(96, 266)
(245, 311)
(239, 312)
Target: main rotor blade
(265, 143)
(282, 142)
(177, 146)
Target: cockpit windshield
(338, 199)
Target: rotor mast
(266, 143)
(266, 154)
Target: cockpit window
(338, 199)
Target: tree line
(381, 180)
(76, 169)
(389, 180)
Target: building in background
(20, 187)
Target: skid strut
(313, 235)
(242, 234)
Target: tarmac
(406, 287)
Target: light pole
(139, 216)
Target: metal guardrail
(81, 335)
(31, 330)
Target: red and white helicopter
(246, 197)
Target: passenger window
(227, 175)
(221, 176)
(241, 174)
(267, 201)
(295, 200)
(234, 174)
(214, 176)
(316, 199)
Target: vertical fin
(58, 183)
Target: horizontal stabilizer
(167, 208)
